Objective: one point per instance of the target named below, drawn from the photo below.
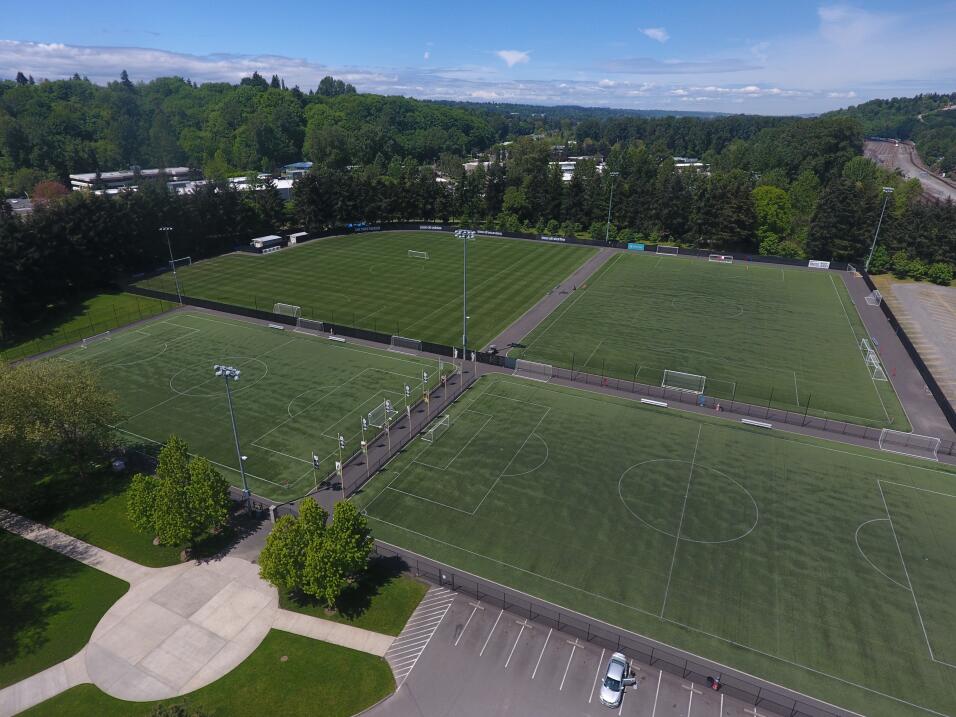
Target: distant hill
(575, 112)
(928, 120)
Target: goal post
(875, 298)
(95, 339)
(412, 254)
(378, 415)
(438, 427)
(280, 309)
(909, 444)
(681, 381)
(672, 250)
(400, 343)
(872, 360)
(308, 325)
(533, 370)
(177, 263)
(721, 258)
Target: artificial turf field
(370, 281)
(295, 395)
(760, 334)
(819, 566)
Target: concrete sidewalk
(374, 643)
(74, 548)
(42, 686)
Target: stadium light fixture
(887, 191)
(607, 229)
(227, 373)
(172, 261)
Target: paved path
(540, 311)
(73, 548)
(176, 630)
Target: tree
(141, 501)
(183, 709)
(48, 191)
(208, 497)
(774, 217)
(940, 273)
(282, 561)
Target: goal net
(437, 428)
(412, 254)
(308, 325)
(721, 258)
(872, 360)
(875, 298)
(680, 381)
(378, 415)
(402, 342)
(105, 336)
(667, 249)
(177, 263)
(533, 370)
(292, 310)
(909, 444)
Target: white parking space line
(597, 674)
(721, 713)
(574, 645)
(488, 639)
(690, 702)
(658, 693)
(403, 654)
(473, 611)
(550, 629)
(524, 624)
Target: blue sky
(748, 56)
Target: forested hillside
(928, 120)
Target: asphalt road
(904, 157)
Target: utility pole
(172, 261)
(607, 229)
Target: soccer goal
(280, 309)
(412, 254)
(378, 415)
(668, 249)
(872, 360)
(909, 444)
(875, 298)
(721, 258)
(105, 336)
(308, 325)
(852, 269)
(533, 370)
(680, 381)
(437, 428)
(177, 263)
(400, 343)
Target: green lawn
(369, 280)
(382, 601)
(297, 393)
(771, 553)
(95, 315)
(759, 334)
(49, 606)
(315, 678)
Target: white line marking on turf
(488, 639)
(856, 538)
(585, 364)
(597, 674)
(536, 664)
(670, 573)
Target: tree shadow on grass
(357, 598)
(61, 490)
(28, 597)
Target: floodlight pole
(887, 191)
(464, 294)
(227, 373)
(607, 229)
(172, 262)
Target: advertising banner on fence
(633, 246)
(817, 264)
(544, 237)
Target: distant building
(295, 170)
(20, 207)
(472, 166)
(91, 181)
(690, 164)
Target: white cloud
(427, 55)
(514, 57)
(656, 33)
(606, 83)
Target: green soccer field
(759, 334)
(819, 566)
(371, 281)
(295, 395)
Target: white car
(617, 677)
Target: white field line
(538, 663)
(584, 366)
(680, 525)
(467, 443)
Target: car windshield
(612, 684)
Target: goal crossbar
(875, 298)
(308, 325)
(292, 310)
(96, 338)
(403, 342)
(378, 415)
(533, 370)
(673, 250)
(183, 261)
(681, 381)
(909, 444)
(872, 360)
(412, 254)
(438, 427)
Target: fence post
(769, 401)
(804, 421)
(733, 395)
(572, 366)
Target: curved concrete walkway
(176, 630)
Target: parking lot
(482, 661)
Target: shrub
(900, 265)
(940, 273)
(917, 269)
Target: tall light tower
(465, 235)
(887, 191)
(227, 373)
(607, 230)
(172, 261)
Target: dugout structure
(909, 444)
